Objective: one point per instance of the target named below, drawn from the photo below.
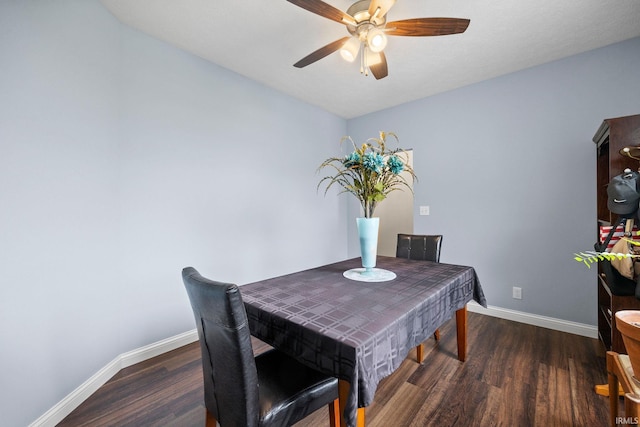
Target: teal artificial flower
(395, 165)
(351, 160)
(373, 162)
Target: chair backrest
(228, 364)
(419, 247)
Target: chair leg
(420, 352)
(420, 347)
(211, 420)
(613, 388)
(334, 413)
(631, 403)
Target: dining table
(359, 331)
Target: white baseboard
(57, 413)
(582, 329)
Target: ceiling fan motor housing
(360, 12)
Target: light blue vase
(368, 233)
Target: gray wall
(122, 160)
(508, 169)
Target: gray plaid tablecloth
(358, 331)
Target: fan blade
(321, 53)
(326, 10)
(380, 69)
(427, 27)
(384, 6)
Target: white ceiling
(262, 40)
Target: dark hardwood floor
(515, 375)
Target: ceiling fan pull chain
(365, 59)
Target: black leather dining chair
(240, 390)
(423, 248)
(419, 247)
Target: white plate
(373, 275)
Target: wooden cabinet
(612, 136)
(608, 304)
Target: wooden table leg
(461, 332)
(343, 392)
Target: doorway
(396, 215)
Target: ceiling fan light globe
(373, 58)
(349, 50)
(346, 55)
(376, 40)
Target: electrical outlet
(517, 292)
(424, 210)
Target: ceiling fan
(366, 21)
